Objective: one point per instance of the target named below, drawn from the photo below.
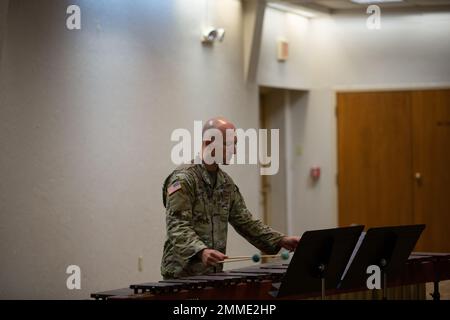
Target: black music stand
(319, 261)
(386, 247)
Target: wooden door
(431, 158)
(375, 158)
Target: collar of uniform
(207, 178)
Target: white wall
(334, 53)
(85, 124)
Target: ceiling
(336, 5)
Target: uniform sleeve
(258, 234)
(185, 241)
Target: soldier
(200, 200)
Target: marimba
(255, 282)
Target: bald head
(219, 123)
(226, 145)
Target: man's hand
(211, 257)
(289, 243)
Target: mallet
(257, 257)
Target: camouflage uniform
(197, 216)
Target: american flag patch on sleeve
(174, 187)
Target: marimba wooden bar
(255, 282)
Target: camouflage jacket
(197, 216)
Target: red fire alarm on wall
(315, 173)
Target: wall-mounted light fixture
(282, 50)
(211, 35)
